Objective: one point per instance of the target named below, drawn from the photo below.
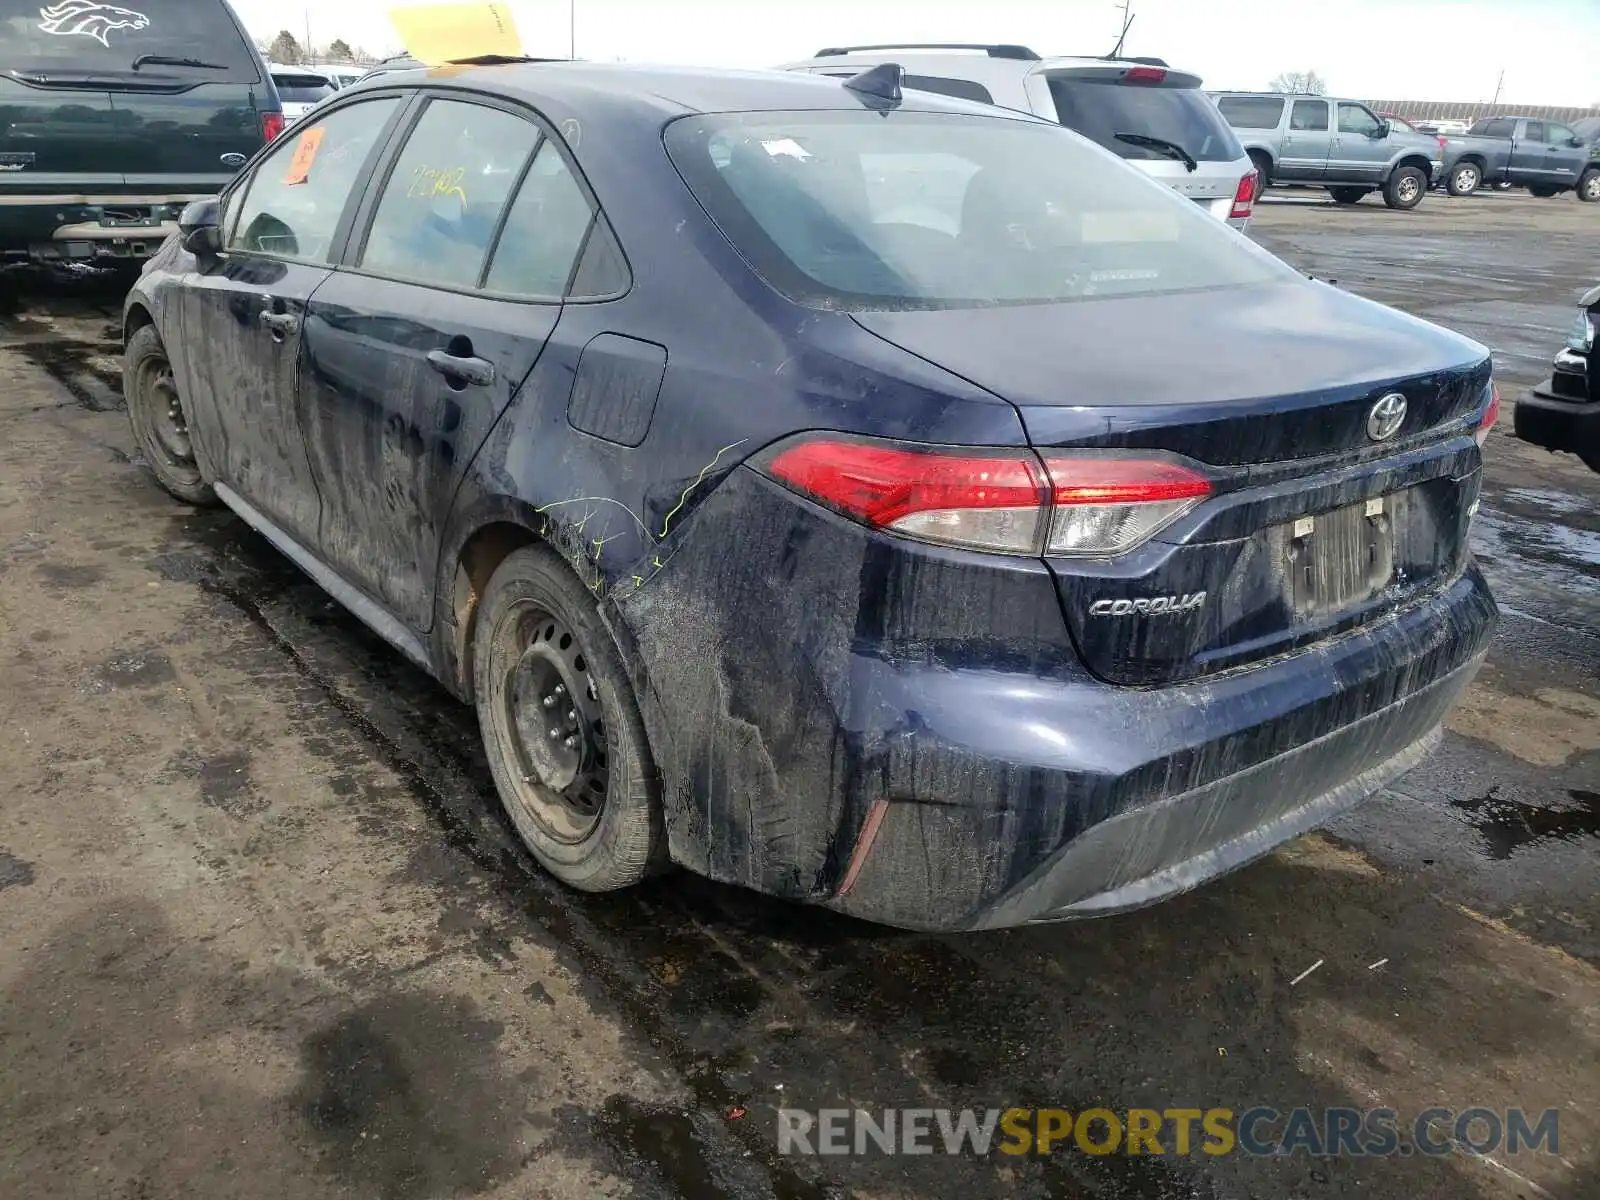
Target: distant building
(1443, 110)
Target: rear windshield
(83, 36)
(301, 89)
(1101, 109)
(858, 209)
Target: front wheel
(160, 419)
(1347, 195)
(1405, 188)
(1589, 186)
(1465, 178)
(561, 727)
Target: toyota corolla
(871, 498)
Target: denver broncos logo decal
(90, 19)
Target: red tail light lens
(271, 125)
(1144, 75)
(1490, 415)
(1002, 501)
(1244, 196)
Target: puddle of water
(1508, 826)
(1562, 503)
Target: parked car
(1339, 144)
(1563, 412)
(995, 537)
(1140, 109)
(300, 89)
(111, 121)
(1546, 157)
(341, 75)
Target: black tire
(1591, 460)
(1348, 195)
(1263, 166)
(1465, 178)
(1405, 188)
(1544, 193)
(1589, 185)
(156, 413)
(600, 830)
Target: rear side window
(442, 204)
(82, 35)
(1251, 112)
(299, 191)
(1309, 115)
(1533, 131)
(962, 89)
(1101, 109)
(544, 231)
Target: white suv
(1139, 108)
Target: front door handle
(479, 371)
(280, 323)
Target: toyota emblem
(1386, 417)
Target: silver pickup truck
(1338, 144)
(1544, 156)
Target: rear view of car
(1140, 109)
(300, 90)
(112, 119)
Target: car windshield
(907, 209)
(74, 35)
(1101, 108)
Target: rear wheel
(159, 418)
(561, 727)
(1544, 193)
(1465, 178)
(1348, 195)
(1589, 185)
(1263, 166)
(1405, 187)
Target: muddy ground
(263, 932)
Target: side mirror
(1384, 129)
(199, 228)
(1576, 143)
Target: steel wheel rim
(1466, 179)
(169, 424)
(552, 718)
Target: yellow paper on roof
(441, 33)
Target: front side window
(1309, 115)
(1558, 135)
(299, 191)
(544, 231)
(1252, 112)
(1353, 118)
(857, 209)
(442, 203)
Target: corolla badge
(1154, 606)
(1386, 417)
(233, 159)
(90, 19)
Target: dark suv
(112, 119)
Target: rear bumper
(51, 228)
(910, 739)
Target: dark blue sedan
(871, 498)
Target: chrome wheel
(552, 718)
(1409, 190)
(1589, 189)
(1467, 180)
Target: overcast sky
(1375, 49)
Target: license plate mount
(1338, 559)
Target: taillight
(1490, 415)
(1244, 196)
(271, 125)
(1144, 75)
(1001, 501)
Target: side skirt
(371, 614)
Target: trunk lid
(1313, 528)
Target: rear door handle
(280, 322)
(479, 371)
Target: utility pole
(1498, 84)
(572, 28)
(309, 57)
(1127, 21)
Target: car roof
(1017, 60)
(669, 91)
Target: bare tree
(1307, 82)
